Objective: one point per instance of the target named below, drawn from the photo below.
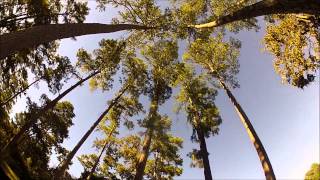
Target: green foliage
(16, 15)
(313, 173)
(162, 60)
(40, 62)
(197, 100)
(217, 57)
(135, 74)
(166, 162)
(31, 157)
(106, 60)
(294, 41)
(143, 12)
(196, 158)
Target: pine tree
(197, 100)
(219, 59)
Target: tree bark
(31, 37)
(16, 139)
(100, 154)
(204, 154)
(18, 93)
(266, 7)
(66, 162)
(147, 140)
(265, 162)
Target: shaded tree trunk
(265, 162)
(266, 7)
(66, 162)
(19, 93)
(16, 139)
(100, 154)
(142, 161)
(204, 154)
(31, 37)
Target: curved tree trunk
(15, 140)
(18, 93)
(31, 37)
(204, 154)
(100, 154)
(147, 140)
(265, 162)
(266, 7)
(60, 173)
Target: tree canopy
(144, 69)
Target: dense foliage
(146, 65)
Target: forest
(181, 52)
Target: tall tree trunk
(147, 139)
(266, 7)
(265, 162)
(18, 93)
(101, 152)
(16, 139)
(31, 37)
(8, 172)
(204, 154)
(66, 162)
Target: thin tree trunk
(155, 170)
(204, 154)
(18, 93)
(266, 7)
(101, 152)
(147, 140)
(66, 162)
(31, 37)
(265, 162)
(8, 171)
(16, 139)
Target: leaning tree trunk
(60, 173)
(16, 139)
(265, 162)
(266, 7)
(147, 140)
(5, 102)
(101, 152)
(31, 37)
(204, 154)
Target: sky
(285, 118)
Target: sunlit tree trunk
(8, 171)
(31, 37)
(16, 139)
(266, 7)
(19, 93)
(204, 154)
(142, 161)
(106, 144)
(64, 165)
(265, 162)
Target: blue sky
(285, 118)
